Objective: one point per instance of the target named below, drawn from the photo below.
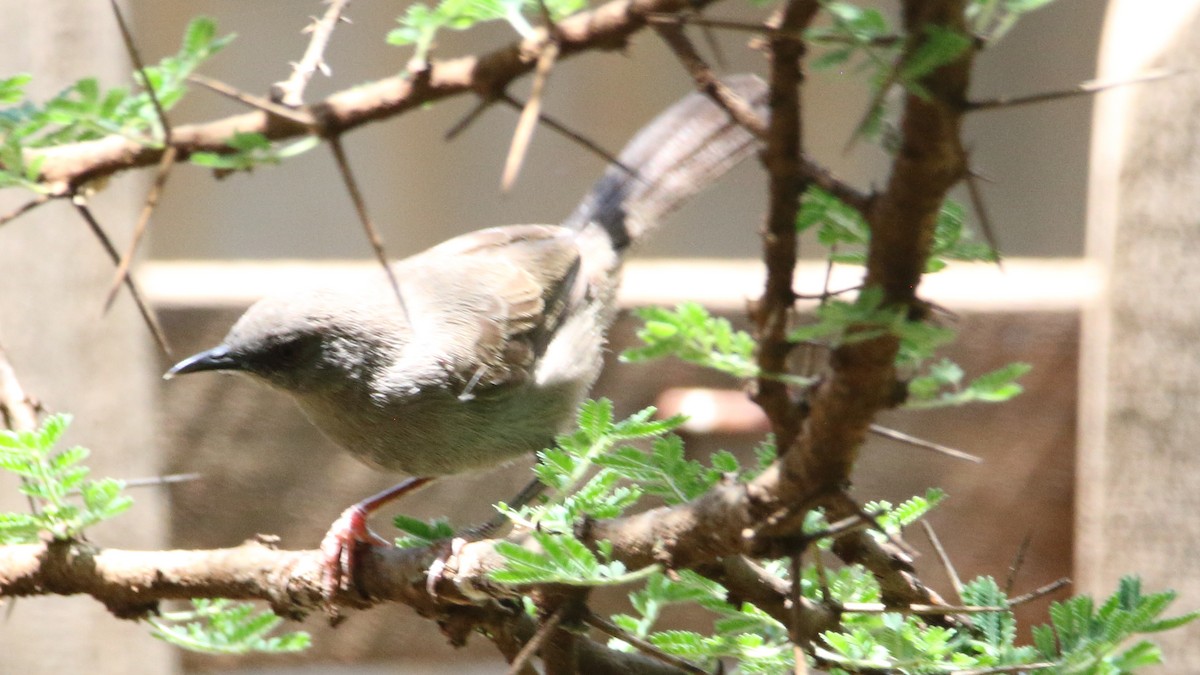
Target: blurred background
(218, 245)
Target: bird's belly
(437, 433)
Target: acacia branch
(131, 583)
(290, 92)
(607, 27)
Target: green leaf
(421, 533)
(691, 334)
(12, 89)
(940, 47)
(221, 627)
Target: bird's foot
(446, 551)
(340, 549)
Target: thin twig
(955, 581)
(985, 223)
(1039, 592)
(767, 31)
(710, 38)
(165, 163)
(139, 230)
(169, 479)
(919, 609)
(1014, 567)
(1084, 89)
(360, 206)
(136, 57)
(822, 579)
(708, 82)
(20, 410)
(781, 157)
(613, 630)
(535, 643)
(527, 122)
(823, 178)
(25, 208)
(468, 119)
(252, 101)
(290, 92)
(895, 435)
(1007, 669)
(151, 321)
(575, 136)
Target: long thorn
(468, 119)
(290, 92)
(529, 117)
(24, 208)
(575, 136)
(136, 57)
(985, 223)
(1014, 567)
(257, 102)
(922, 443)
(151, 321)
(941, 553)
(1039, 592)
(139, 229)
(1084, 89)
(535, 643)
(612, 630)
(360, 206)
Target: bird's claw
(439, 564)
(340, 551)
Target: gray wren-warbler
(501, 331)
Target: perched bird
(500, 333)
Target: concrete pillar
(72, 358)
(1139, 468)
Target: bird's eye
(286, 354)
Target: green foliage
(940, 46)
(421, 23)
(561, 559)
(66, 501)
(894, 519)
(952, 240)
(421, 533)
(666, 472)
(854, 34)
(83, 112)
(942, 386)
(847, 234)
(690, 333)
(742, 632)
(842, 323)
(991, 19)
(620, 475)
(223, 627)
(1082, 638)
(248, 150)
(862, 39)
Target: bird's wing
(513, 287)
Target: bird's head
(306, 343)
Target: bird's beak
(217, 358)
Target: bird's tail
(680, 152)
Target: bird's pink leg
(341, 542)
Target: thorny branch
(290, 92)
(608, 27)
(820, 432)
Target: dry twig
(290, 92)
(148, 317)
